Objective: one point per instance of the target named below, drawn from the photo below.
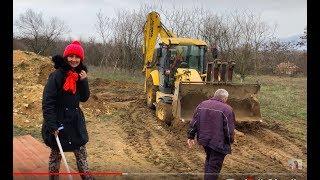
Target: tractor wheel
(151, 93)
(164, 112)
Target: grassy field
(282, 98)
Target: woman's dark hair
(60, 62)
(80, 67)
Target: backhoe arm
(152, 28)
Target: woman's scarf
(71, 82)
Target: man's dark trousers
(213, 164)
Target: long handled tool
(62, 154)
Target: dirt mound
(250, 126)
(30, 68)
(126, 136)
(30, 72)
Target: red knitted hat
(74, 48)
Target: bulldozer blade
(242, 98)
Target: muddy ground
(125, 135)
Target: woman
(65, 88)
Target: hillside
(296, 40)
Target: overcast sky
(289, 16)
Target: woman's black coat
(61, 108)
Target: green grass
(282, 98)
(116, 75)
(33, 131)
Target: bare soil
(125, 136)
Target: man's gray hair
(221, 94)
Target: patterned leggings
(82, 164)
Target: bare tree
(104, 29)
(304, 33)
(276, 52)
(251, 34)
(239, 36)
(177, 21)
(303, 38)
(128, 36)
(39, 34)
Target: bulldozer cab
(178, 56)
(187, 56)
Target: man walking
(213, 123)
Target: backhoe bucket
(242, 98)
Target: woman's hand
(83, 75)
(56, 133)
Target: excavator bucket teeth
(242, 98)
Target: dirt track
(125, 135)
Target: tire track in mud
(264, 151)
(284, 132)
(272, 143)
(194, 157)
(151, 139)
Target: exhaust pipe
(231, 65)
(223, 71)
(216, 70)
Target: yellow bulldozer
(178, 76)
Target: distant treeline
(240, 36)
